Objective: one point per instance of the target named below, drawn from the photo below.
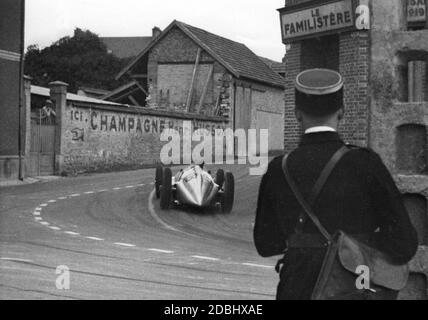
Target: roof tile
(126, 47)
(238, 56)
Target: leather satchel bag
(346, 255)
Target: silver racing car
(195, 187)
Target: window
(412, 71)
(320, 52)
(412, 149)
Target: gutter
(21, 92)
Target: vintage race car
(195, 187)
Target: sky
(252, 22)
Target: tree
(80, 60)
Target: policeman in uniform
(360, 196)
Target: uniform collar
(320, 129)
(320, 137)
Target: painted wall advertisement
(85, 120)
(325, 18)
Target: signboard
(416, 11)
(327, 18)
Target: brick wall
(351, 59)
(354, 57)
(170, 67)
(177, 47)
(292, 129)
(173, 83)
(98, 138)
(320, 52)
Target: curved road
(108, 230)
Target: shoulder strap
(325, 174)
(306, 205)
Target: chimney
(156, 31)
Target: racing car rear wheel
(158, 180)
(166, 190)
(229, 193)
(219, 177)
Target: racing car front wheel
(228, 193)
(158, 180)
(219, 177)
(166, 190)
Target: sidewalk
(29, 180)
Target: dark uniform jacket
(360, 197)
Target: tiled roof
(278, 67)
(94, 90)
(234, 56)
(237, 55)
(126, 47)
(120, 90)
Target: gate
(42, 151)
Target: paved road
(109, 231)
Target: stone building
(381, 49)
(190, 70)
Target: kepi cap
(319, 82)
